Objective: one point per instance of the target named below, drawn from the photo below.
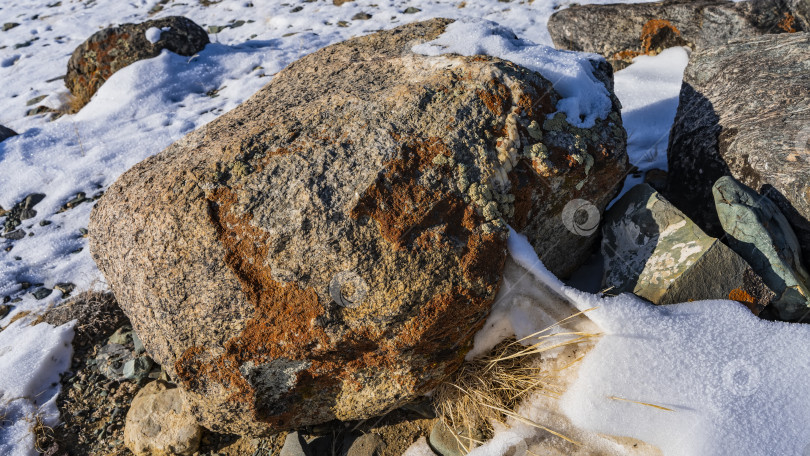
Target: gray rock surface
(160, 423)
(328, 249)
(759, 232)
(369, 444)
(294, 445)
(620, 32)
(113, 48)
(448, 442)
(6, 133)
(744, 112)
(652, 249)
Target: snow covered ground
(684, 356)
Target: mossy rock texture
(328, 249)
(113, 48)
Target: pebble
(42, 293)
(15, 235)
(65, 287)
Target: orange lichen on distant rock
(653, 33)
(786, 24)
(651, 29)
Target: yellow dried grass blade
(660, 407)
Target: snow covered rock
(744, 112)
(113, 48)
(6, 133)
(620, 32)
(328, 249)
(759, 232)
(653, 250)
(160, 423)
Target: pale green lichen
(556, 123)
(491, 211)
(440, 160)
(535, 131)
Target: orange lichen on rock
(653, 33)
(744, 297)
(496, 96)
(627, 55)
(264, 337)
(402, 207)
(429, 328)
(786, 24)
(651, 29)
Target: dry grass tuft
(43, 434)
(488, 390)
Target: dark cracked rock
(620, 32)
(394, 175)
(744, 112)
(111, 49)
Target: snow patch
(31, 360)
(727, 378)
(152, 34)
(649, 90)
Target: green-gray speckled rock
(653, 250)
(761, 234)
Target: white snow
(729, 379)
(419, 448)
(585, 98)
(152, 34)
(31, 359)
(649, 90)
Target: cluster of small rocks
(730, 218)
(15, 229)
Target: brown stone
(113, 48)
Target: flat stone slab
(653, 250)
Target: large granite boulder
(620, 32)
(759, 232)
(328, 249)
(744, 112)
(113, 48)
(652, 249)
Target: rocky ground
(94, 406)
